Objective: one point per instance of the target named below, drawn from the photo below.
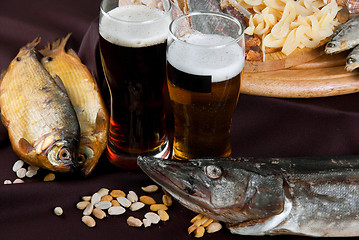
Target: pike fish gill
(267, 196)
(41, 122)
(85, 97)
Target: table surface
(262, 127)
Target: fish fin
(32, 44)
(4, 121)
(100, 121)
(57, 45)
(2, 75)
(25, 146)
(59, 83)
(73, 54)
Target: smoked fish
(85, 97)
(41, 122)
(314, 196)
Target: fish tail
(58, 45)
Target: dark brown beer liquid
(136, 78)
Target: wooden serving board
(322, 77)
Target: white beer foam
(135, 26)
(200, 57)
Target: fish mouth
(169, 175)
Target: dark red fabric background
(262, 127)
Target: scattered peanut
(214, 227)
(7, 182)
(206, 223)
(49, 177)
(18, 180)
(124, 202)
(117, 193)
(89, 221)
(134, 222)
(191, 228)
(156, 207)
(99, 213)
(147, 200)
(199, 216)
(33, 168)
(103, 205)
(115, 203)
(21, 173)
(146, 222)
(150, 188)
(132, 196)
(82, 205)
(107, 198)
(163, 215)
(153, 217)
(88, 210)
(17, 165)
(103, 192)
(58, 211)
(199, 232)
(167, 200)
(86, 198)
(118, 210)
(95, 198)
(30, 173)
(201, 223)
(136, 206)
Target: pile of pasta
(288, 24)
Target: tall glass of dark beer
(205, 59)
(133, 40)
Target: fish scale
(312, 196)
(85, 97)
(41, 122)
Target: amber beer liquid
(135, 69)
(204, 88)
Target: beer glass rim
(168, 11)
(219, 14)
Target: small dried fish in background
(41, 122)
(85, 97)
(351, 5)
(352, 60)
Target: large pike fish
(85, 97)
(41, 122)
(253, 196)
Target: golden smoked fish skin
(85, 97)
(41, 122)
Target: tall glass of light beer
(205, 59)
(133, 40)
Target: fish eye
(49, 59)
(213, 171)
(351, 60)
(331, 45)
(64, 154)
(18, 59)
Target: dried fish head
(345, 37)
(217, 188)
(62, 155)
(353, 60)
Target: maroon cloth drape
(262, 127)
